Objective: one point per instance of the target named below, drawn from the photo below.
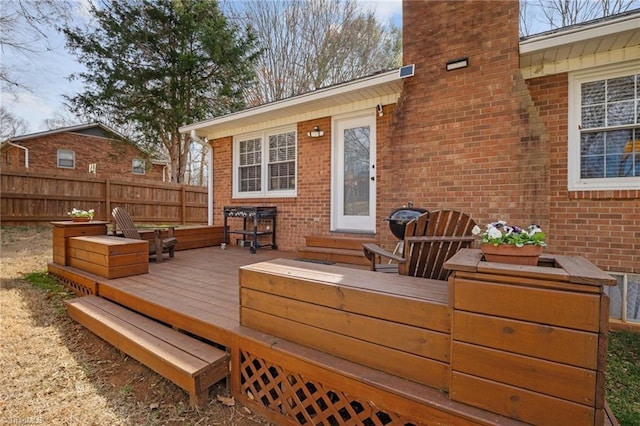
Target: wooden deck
(199, 292)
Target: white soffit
(366, 92)
(604, 42)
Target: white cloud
(385, 10)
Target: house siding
(603, 226)
(113, 157)
(481, 139)
(309, 213)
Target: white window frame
(574, 182)
(73, 158)
(264, 169)
(142, 164)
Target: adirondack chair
(157, 246)
(429, 241)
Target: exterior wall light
(315, 133)
(457, 64)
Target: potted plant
(505, 243)
(81, 215)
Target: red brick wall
(113, 157)
(308, 213)
(603, 226)
(467, 139)
(478, 139)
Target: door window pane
(356, 171)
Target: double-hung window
(138, 166)
(66, 159)
(265, 164)
(604, 129)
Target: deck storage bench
(109, 256)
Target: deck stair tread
(339, 249)
(189, 363)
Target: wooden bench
(396, 324)
(189, 363)
(108, 256)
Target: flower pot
(506, 253)
(80, 219)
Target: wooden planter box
(64, 230)
(530, 342)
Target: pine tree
(161, 64)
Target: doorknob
(373, 178)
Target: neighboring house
(537, 130)
(85, 150)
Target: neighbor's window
(265, 164)
(66, 159)
(604, 130)
(138, 166)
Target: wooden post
(183, 213)
(107, 199)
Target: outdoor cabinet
(530, 342)
(63, 230)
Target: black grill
(399, 218)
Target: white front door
(354, 174)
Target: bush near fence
(27, 198)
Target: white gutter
(204, 143)
(26, 153)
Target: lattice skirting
(77, 288)
(307, 402)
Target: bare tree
(308, 44)
(10, 125)
(24, 26)
(552, 14)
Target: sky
(46, 73)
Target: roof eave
(568, 36)
(304, 99)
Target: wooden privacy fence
(28, 198)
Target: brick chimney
(468, 138)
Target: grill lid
(399, 218)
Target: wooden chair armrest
(374, 252)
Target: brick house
(83, 150)
(499, 136)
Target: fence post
(107, 199)
(184, 205)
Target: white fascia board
(354, 86)
(579, 34)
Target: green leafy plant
(500, 232)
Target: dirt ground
(55, 372)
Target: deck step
(352, 257)
(337, 241)
(189, 363)
(335, 248)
